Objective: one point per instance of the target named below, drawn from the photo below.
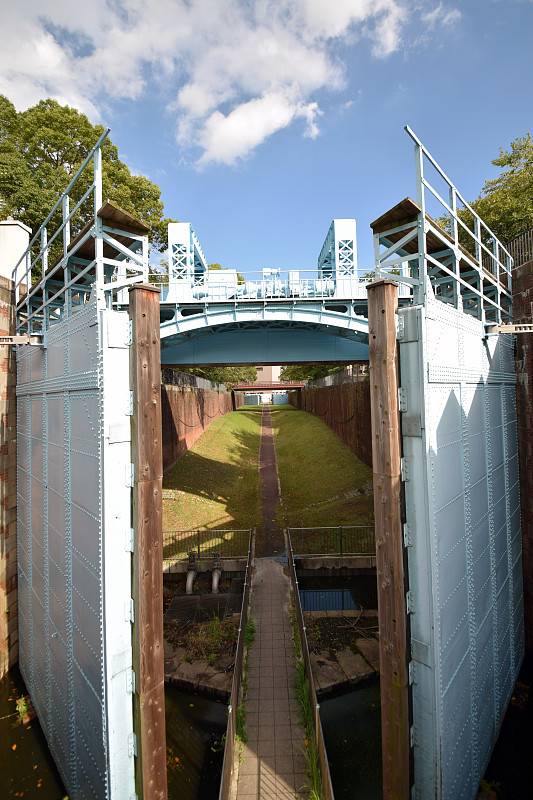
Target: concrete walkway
(273, 765)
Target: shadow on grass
(228, 477)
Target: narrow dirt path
(269, 542)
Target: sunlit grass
(216, 482)
(320, 478)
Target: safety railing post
(340, 531)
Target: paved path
(273, 766)
(269, 541)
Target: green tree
(228, 375)
(506, 203)
(40, 151)
(308, 372)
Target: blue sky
(261, 121)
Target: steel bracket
(413, 735)
(129, 611)
(412, 673)
(408, 534)
(404, 466)
(130, 682)
(402, 399)
(400, 327)
(130, 541)
(132, 744)
(410, 602)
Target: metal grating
(462, 506)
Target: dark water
(352, 730)
(338, 593)
(195, 727)
(27, 768)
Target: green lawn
(319, 476)
(215, 485)
(216, 481)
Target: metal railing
(521, 247)
(231, 730)
(327, 786)
(66, 274)
(342, 540)
(228, 543)
(466, 263)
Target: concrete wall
(523, 312)
(189, 406)
(8, 486)
(345, 408)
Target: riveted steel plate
(72, 626)
(462, 500)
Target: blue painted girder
(262, 345)
(272, 333)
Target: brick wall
(345, 409)
(187, 412)
(8, 487)
(523, 312)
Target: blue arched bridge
(217, 316)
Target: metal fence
(327, 786)
(228, 543)
(342, 540)
(521, 247)
(229, 749)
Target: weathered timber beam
(392, 612)
(148, 649)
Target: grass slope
(216, 481)
(319, 476)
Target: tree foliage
(40, 151)
(506, 203)
(308, 372)
(228, 375)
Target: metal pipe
(217, 574)
(191, 572)
(191, 575)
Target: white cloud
(236, 71)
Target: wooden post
(386, 452)
(148, 649)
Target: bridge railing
(81, 244)
(204, 543)
(228, 285)
(341, 540)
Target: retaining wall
(8, 485)
(189, 406)
(523, 312)
(345, 408)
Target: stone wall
(523, 312)
(189, 406)
(345, 408)
(8, 486)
